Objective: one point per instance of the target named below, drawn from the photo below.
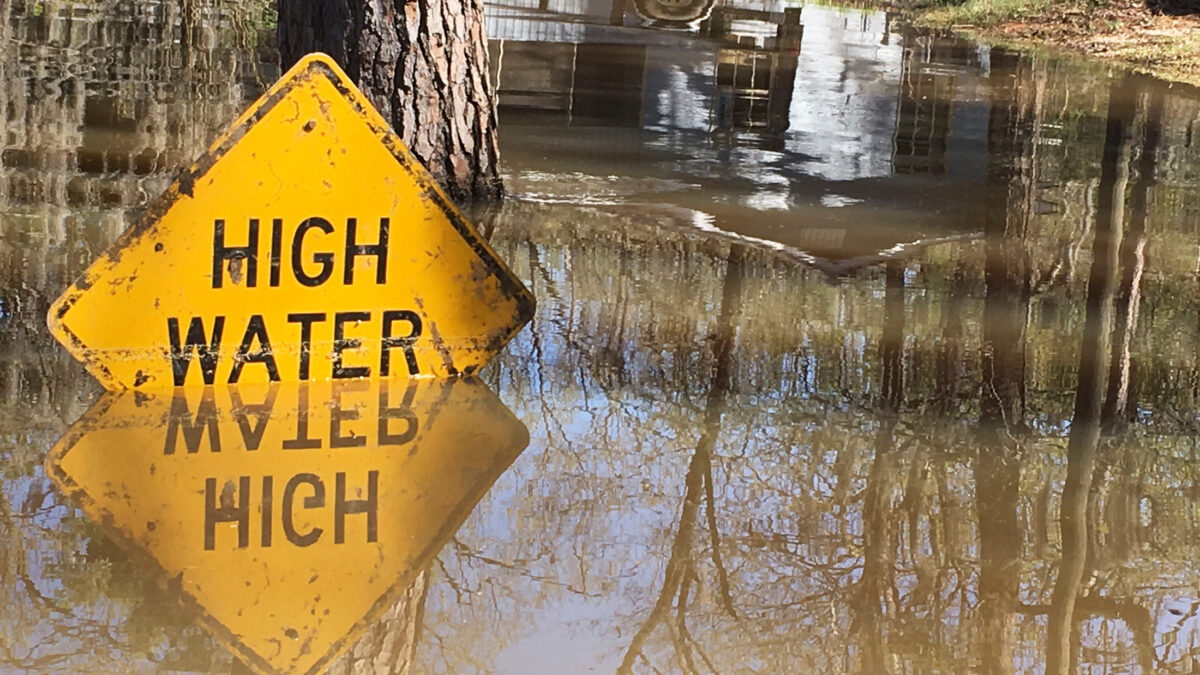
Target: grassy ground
(1128, 31)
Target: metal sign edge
(455, 520)
(509, 282)
(324, 65)
(81, 499)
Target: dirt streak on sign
(289, 516)
(306, 245)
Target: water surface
(857, 350)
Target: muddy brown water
(857, 350)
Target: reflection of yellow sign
(291, 515)
(307, 244)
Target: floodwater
(857, 351)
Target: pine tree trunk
(424, 66)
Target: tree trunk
(424, 65)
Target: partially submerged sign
(307, 244)
(288, 516)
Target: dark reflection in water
(857, 350)
(833, 144)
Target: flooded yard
(857, 350)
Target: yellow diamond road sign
(289, 517)
(307, 244)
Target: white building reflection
(816, 118)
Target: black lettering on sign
(241, 262)
(220, 509)
(252, 436)
(313, 501)
(181, 354)
(255, 330)
(268, 496)
(232, 503)
(324, 259)
(235, 255)
(306, 321)
(180, 418)
(341, 343)
(355, 249)
(302, 441)
(391, 340)
(343, 507)
(276, 250)
(337, 415)
(403, 412)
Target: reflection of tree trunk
(390, 643)
(876, 589)
(948, 360)
(1007, 272)
(891, 349)
(1133, 260)
(698, 487)
(1137, 619)
(1120, 502)
(997, 492)
(731, 301)
(947, 373)
(187, 28)
(912, 506)
(1089, 395)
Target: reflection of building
(928, 83)
(755, 80)
(871, 105)
(600, 83)
(823, 136)
(922, 123)
(674, 13)
(617, 76)
(850, 97)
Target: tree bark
(424, 66)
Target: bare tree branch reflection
(681, 567)
(875, 594)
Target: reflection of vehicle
(674, 13)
